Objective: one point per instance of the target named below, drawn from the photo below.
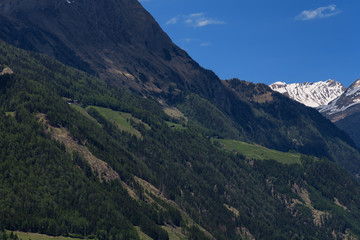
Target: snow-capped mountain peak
(311, 94)
(345, 105)
(353, 89)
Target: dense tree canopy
(198, 186)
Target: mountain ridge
(311, 94)
(120, 42)
(342, 108)
(184, 169)
(344, 105)
(47, 189)
(345, 111)
(122, 56)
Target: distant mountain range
(330, 98)
(311, 94)
(344, 105)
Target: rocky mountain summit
(345, 105)
(345, 111)
(331, 99)
(311, 94)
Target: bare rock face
(6, 71)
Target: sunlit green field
(175, 125)
(121, 120)
(83, 112)
(252, 151)
(38, 236)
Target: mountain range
(108, 130)
(311, 94)
(344, 105)
(135, 54)
(330, 98)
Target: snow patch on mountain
(351, 97)
(334, 107)
(311, 94)
(354, 89)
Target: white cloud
(187, 40)
(321, 12)
(205, 44)
(195, 20)
(195, 15)
(173, 20)
(204, 22)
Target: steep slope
(350, 125)
(169, 178)
(115, 39)
(281, 122)
(345, 105)
(121, 43)
(330, 98)
(311, 94)
(345, 111)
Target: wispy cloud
(195, 20)
(193, 41)
(188, 40)
(205, 44)
(321, 12)
(173, 20)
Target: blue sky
(267, 40)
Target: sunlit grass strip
(258, 152)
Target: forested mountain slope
(281, 123)
(344, 111)
(121, 43)
(57, 142)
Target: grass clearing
(174, 113)
(84, 112)
(11, 114)
(175, 126)
(174, 233)
(121, 120)
(259, 152)
(142, 235)
(38, 236)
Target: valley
(108, 130)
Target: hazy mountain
(311, 94)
